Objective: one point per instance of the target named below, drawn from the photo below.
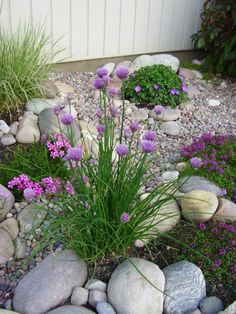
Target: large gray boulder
(199, 183)
(167, 59)
(50, 284)
(7, 200)
(185, 287)
(136, 287)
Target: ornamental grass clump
(24, 64)
(157, 84)
(99, 211)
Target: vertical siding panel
(167, 24)
(20, 12)
(61, 27)
(5, 16)
(79, 28)
(141, 26)
(178, 25)
(127, 26)
(192, 10)
(154, 27)
(112, 27)
(96, 28)
(198, 18)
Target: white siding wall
(91, 29)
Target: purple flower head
(196, 162)
(29, 194)
(114, 111)
(106, 80)
(173, 91)
(218, 263)
(113, 91)
(74, 154)
(85, 180)
(138, 88)
(158, 109)
(134, 126)
(155, 86)
(223, 251)
(149, 136)
(122, 73)
(122, 150)
(177, 92)
(99, 113)
(202, 226)
(101, 72)
(184, 87)
(67, 118)
(127, 132)
(98, 84)
(92, 162)
(101, 128)
(147, 146)
(56, 110)
(125, 217)
(43, 139)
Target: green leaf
(201, 43)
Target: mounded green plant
(217, 36)
(25, 62)
(156, 84)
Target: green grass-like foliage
(217, 36)
(146, 78)
(25, 62)
(212, 247)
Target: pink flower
(138, 88)
(69, 188)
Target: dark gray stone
(199, 183)
(211, 305)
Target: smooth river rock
(199, 183)
(28, 131)
(143, 61)
(226, 211)
(7, 200)
(71, 309)
(168, 60)
(11, 226)
(6, 246)
(130, 293)
(8, 139)
(170, 128)
(185, 287)
(30, 217)
(50, 284)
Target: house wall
(92, 29)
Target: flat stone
(105, 308)
(170, 128)
(185, 287)
(28, 131)
(199, 205)
(213, 103)
(139, 115)
(199, 183)
(95, 284)
(169, 114)
(49, 89)
(71, 309)
(6, 246)
(168, 60)
(8, 139)
(20, 248)
(52, 281)
(11, 226)
(4, 127)
(128, 280)
(168, 176)
(143, 61)
(7, 201)
(96, 296)
(31, 217)
(231, 309)
(226, 211)
(79, 296)
(37, 105)
(109, 67)
(64, 88)
(211, 305)
(187, 73)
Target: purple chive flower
(113, 91)
(56, 110)
(218, 262)
(202, 226)
(196, 162)
(43, 139)
(147, 146)
(134, 126)
(149, 136)
(125, 217)
(101, 72)
(98, 84)
(138, 88)
(155, 86)
(74, 154)
(67, 118)
(173, 91)
(85, 180)
(122, 73)
(106, 80)
(158, 109)
(222, 251)
(101, 128)
(29, 194)
(127, 132)
(122, 150)
(99, 113)
(114, 110)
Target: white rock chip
(129, 292)
(213, 102)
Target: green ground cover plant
(213, 157)
(24, 65)
(157, 84)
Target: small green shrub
(157, 84)
(217, 35)
(25, 62)
(216, 161)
